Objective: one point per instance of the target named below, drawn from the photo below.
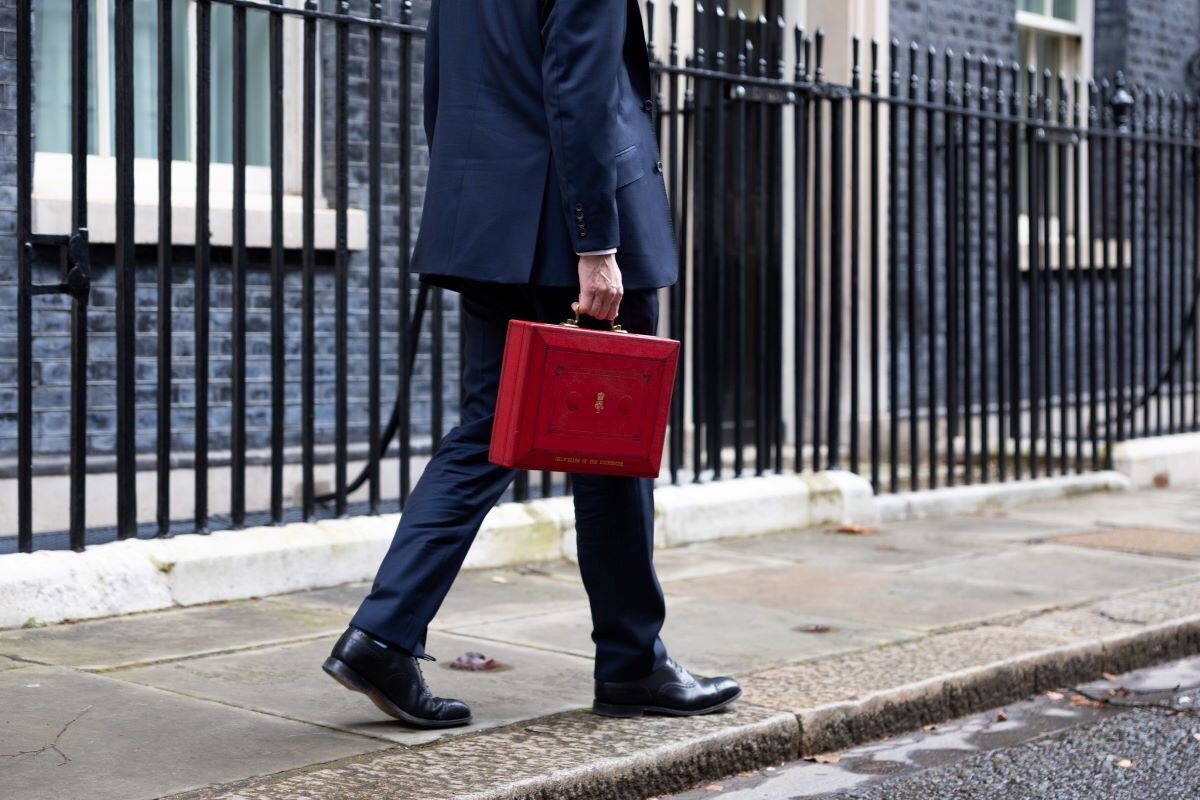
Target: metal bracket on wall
(1053, 135)
(77, 278)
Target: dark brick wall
(1151, 40)
(986, 27)
(8, 222)
(51, 319)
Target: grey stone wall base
(140, 575)
(144, 575)
(1160, 461)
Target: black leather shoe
(668, 690)
(392, 680)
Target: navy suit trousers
(614, 517)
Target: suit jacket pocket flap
(629, 166)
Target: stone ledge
(968, 499)
(1159, 461)
(143, 575)
(572, 756)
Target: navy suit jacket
(541, 145)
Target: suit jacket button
(658, 167)
(579, 206)
(648, 106)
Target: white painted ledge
(1160, 461)
(141, 575)
(968, 499)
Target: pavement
(839, 638)
(1125, 737)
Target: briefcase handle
(574, 321)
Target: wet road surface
(1135, 737)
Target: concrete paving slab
(476, 596)
(1139, 539)
(710, 638)
(687, 561)
(890, 545)
(578, 756)
(166, 635)
(1165, 508)
(854, 675)
(993, 527)
(1067, 572)
(1154, 606)
(876, 597)
(67, 734)
(288, 681)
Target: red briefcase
(578, 400)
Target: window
(52, 165)
(1053, 35)
(53, 80)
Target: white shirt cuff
(607, 252)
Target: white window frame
(1082, 29)
(51, 200)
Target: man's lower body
(614, 521)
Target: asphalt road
(1063, 746)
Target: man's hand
(600, 288)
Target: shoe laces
(679, 668)
(425, 690)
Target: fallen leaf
(475, 662)
(1162, 480)
(1119, 692)
(714, 787)
(499, 579)
(1002, 717)
(1054, 696)
(1196, 736)
(530, 569)
(1125, 763)
(929, 727)
(829, 758)
(1080, 700)
(855, 530)
(814, 629)
(1108, 676)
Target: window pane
(1064, 9)
(145, 78)
(1036, 6)
(258, 107)
(752, 8)
(52, 78)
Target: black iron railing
(932, 270)
(993, 271)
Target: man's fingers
(611, 300)
(587, 301)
